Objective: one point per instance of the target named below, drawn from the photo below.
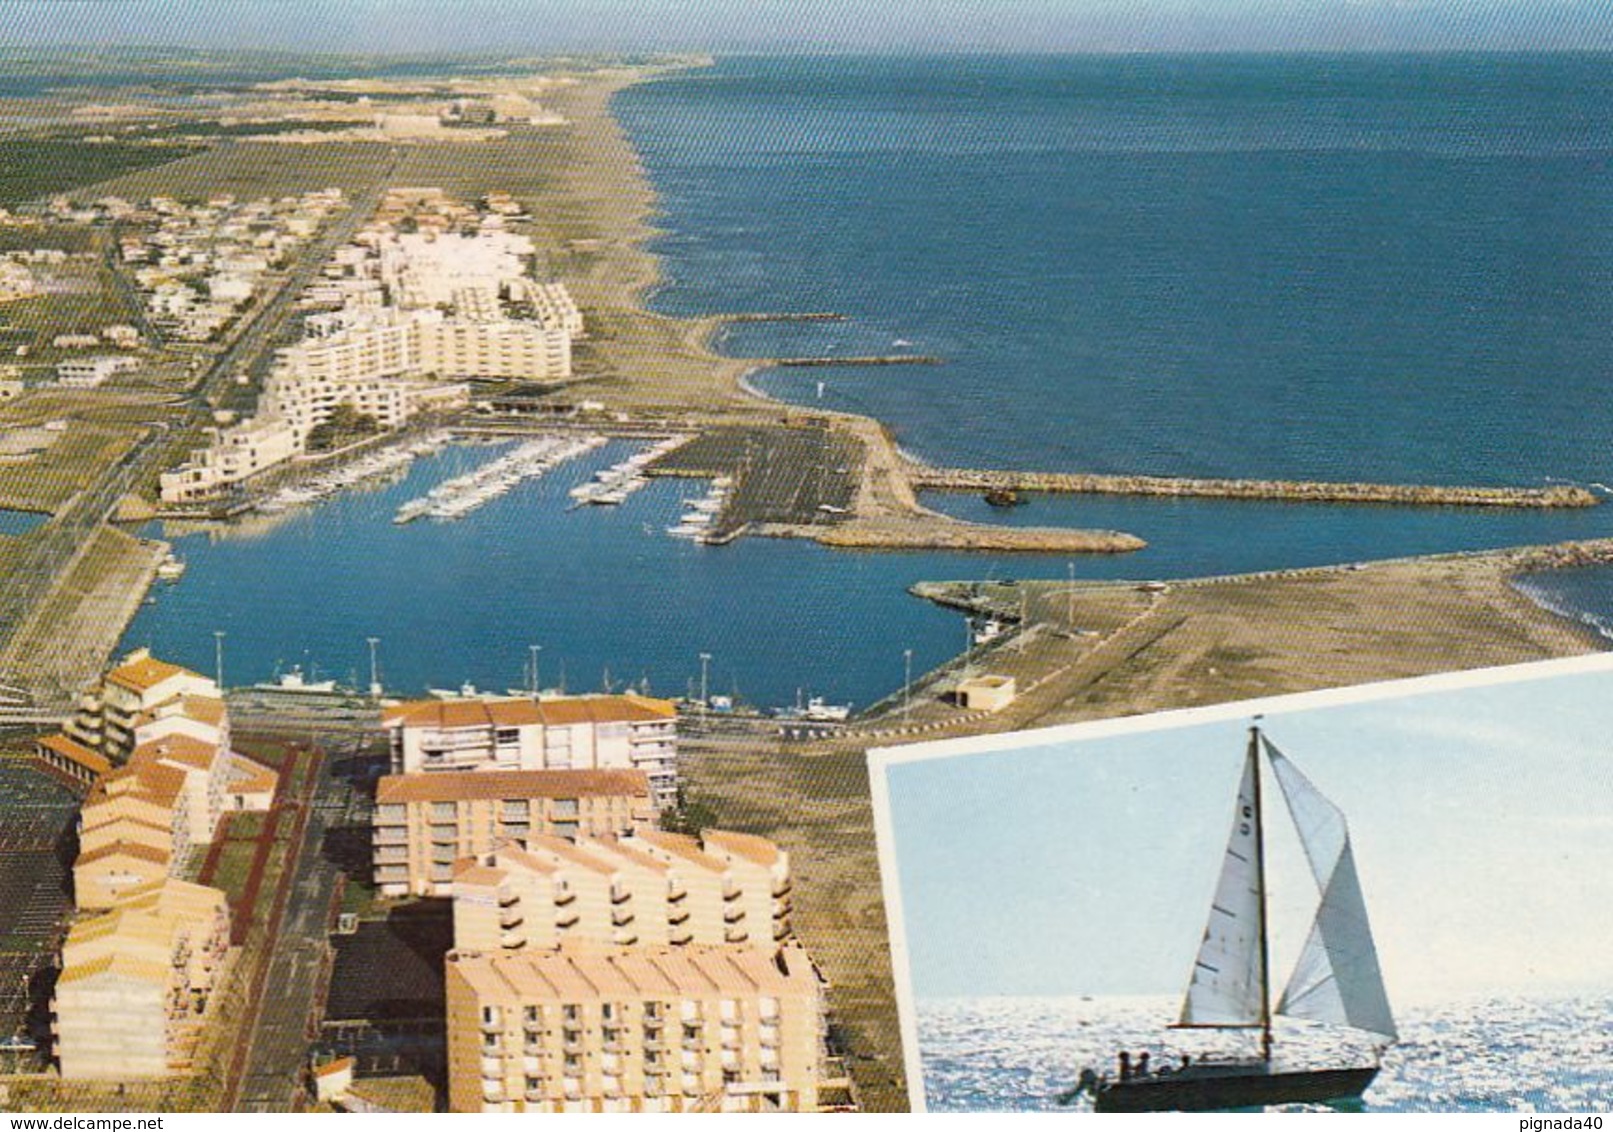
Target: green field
(75, 460)
(31, 169)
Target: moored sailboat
(1336, 980)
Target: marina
(373, 465)
(458, 497)
(614, 484)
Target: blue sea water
(1483, 1054)
(19, 522)
(1366, 267)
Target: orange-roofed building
(137, 982)
(424, 823)
(651, 888)
(553, 733)
(647, 1029)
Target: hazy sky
(1035, 25)
(1482, 822)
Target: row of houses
(150, 747)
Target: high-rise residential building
(424, 823)
(552, 733)
(647, 889)
(645, 1029)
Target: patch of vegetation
(31, 169)
(688, 816)
(345, 426)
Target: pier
(859, 360)
(1297, 491)
(783, 316)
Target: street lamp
(705, 661)
(907, 683)
(375, 669)
(535, 650)
(218, 659)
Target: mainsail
(1228, 987)
(1337, 979)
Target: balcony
(563, 898)
(767, 1035)
(677, 916)
(731, 890)
(619, 895)
(782, 888)
(511, 941)
(680, 936)
(535, 1093)
(735, 935)
(492, 1025)
(565, 920)
(624, 937)
(533, 1052)
(621, 917)
(492, 1093)
(507, 899)
(509, 920)
(782, 907)
(493, 1068)
(390, 835)
(781, 931)
(733, 915)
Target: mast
(1260, 882)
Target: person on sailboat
(1142, 1064)
(1125, 1065)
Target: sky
(401, 26)
(1482, 822)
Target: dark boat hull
(1196, 1090)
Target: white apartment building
(236, 454)
(554, 306)
(627, 732)
(424, 269)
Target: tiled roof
(144, 674)
(462, 713)
(474, 785)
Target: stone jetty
(926, 478)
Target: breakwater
(858, 360)
(1297, 491)
(942, 534)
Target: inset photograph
(1391, 898)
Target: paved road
(45, 558)
(278, 1035)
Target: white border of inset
(881, 758)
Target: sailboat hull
(1208, 1088)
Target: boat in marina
(611, 486)
(815, 710)
(1336, 980)
(458, 497)
(295, 682)
(171, 569)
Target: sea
(1356, 267)
(1478, 1054)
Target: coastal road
(45, 558)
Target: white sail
(1226, 988)
(1337, 979)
